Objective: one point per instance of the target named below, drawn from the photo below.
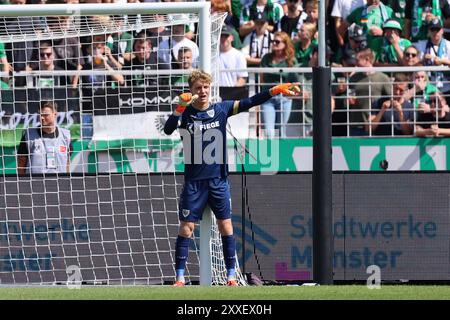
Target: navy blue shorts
(197, 194)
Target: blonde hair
(311, 28)
(424, 73)
(197, 75)
(104, 21)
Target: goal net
(114, 72)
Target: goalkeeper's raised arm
(286, 89)
(198, 99)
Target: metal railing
(347, 106)
(356, 101)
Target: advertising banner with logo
(398, 222)
(140, 113)
(288, 155)
(19, 108)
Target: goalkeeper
(203, 130)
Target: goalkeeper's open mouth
(203, 98)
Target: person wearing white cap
(389, 49)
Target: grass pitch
(349, 292)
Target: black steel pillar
(322, 178)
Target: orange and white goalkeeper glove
(184, 100)
(287, 89)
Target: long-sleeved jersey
(205, 138)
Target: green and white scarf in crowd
(418, 31)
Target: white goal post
(207, 44)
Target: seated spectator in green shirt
(389, 49)
(421, 89)
(305, 46)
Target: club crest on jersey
(210, 113)
(185, 212)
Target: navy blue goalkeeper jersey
(204, 139)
